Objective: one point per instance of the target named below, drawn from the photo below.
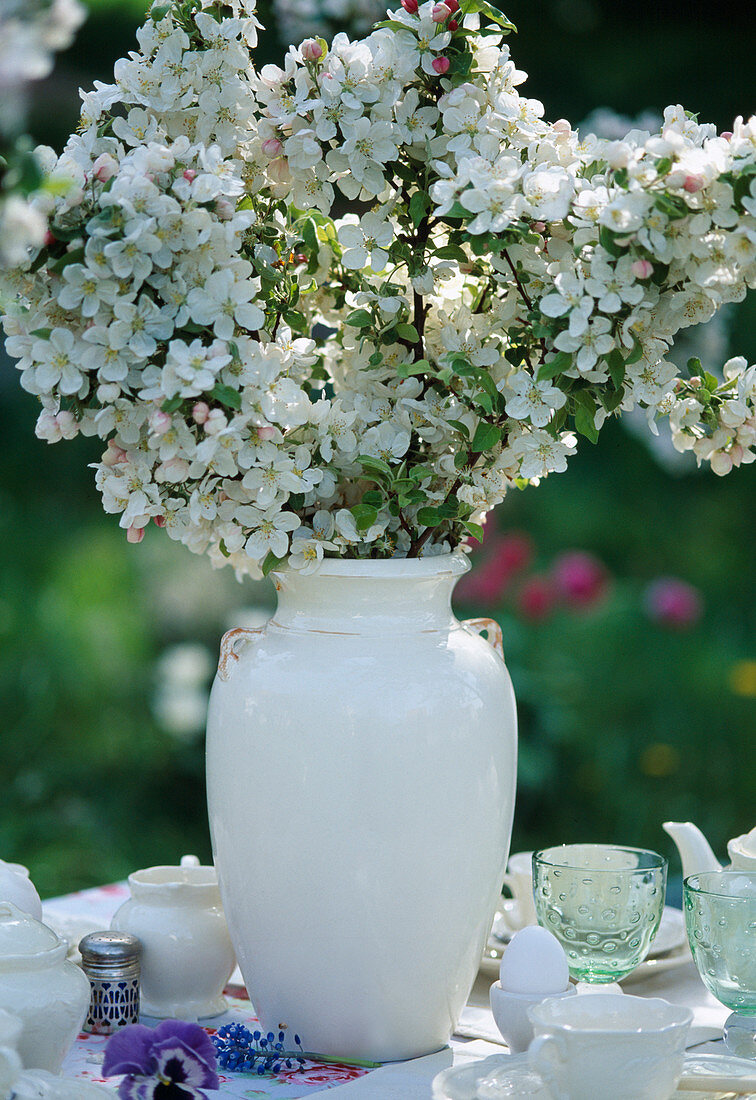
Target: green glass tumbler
(603, 904)
(720, 918)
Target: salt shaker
(111, 962)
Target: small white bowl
(510, 1011)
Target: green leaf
(419, 205)
(365, 516)
(694, 365)
(584, 416)
(226, 395)
(408, 332)
(375, 465)
(636, 354)
(222, 547)
(490, 12)
(406, 370)
(452, 252)
(608, 240)
(616, 365)
(359, 318)
(460, 427)
(419, 473)
(43, 333)
(373, 497)
(474, 529)
(171, 404)
(562, 361)
(486, 436)
(429, 517)
(73, 257)
(271, 562)
(461, 459)
(663, 165)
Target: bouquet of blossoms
(273, 381)
(30, 32)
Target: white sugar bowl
(16, 886)
(187, 957)
(10, 1063)
(48, 994)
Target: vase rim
(453, 564)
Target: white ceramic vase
(361, 765)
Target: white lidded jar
(16, 886)
(187, 957)
(48, 994)
(361, 761)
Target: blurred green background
(633, 710)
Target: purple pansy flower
(174, 1061)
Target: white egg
(534, 962)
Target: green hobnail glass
(603, 904)
(720, 918)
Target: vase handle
(492, 629)
(228, 653)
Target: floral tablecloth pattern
(88, 910)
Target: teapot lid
(22, 936)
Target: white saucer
(508, 1075)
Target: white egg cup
(510, 1011)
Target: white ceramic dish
(509, 1075)
(669, 949)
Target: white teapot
(16, 886)
(48, 994)
(696, 853)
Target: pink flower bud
(279, 170)
(49, 238)
(272, 147)
(311, 50)
(726, 134)
(160, 422)
(452, 5)
(539, 227)
(104, 167)
(265, 432)
(721, 463)
(693, 183)
(562, 126)
(440, 13)
(642, 269)
(134, 533)
(453, 25)
(189, 174)
(224, 209)
(159, 521)
(200, 412)
(411, 6)
(441, 65)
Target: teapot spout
(695, 850)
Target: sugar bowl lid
(22, 938)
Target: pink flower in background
(580, 579)
(673, 603)
(502, 557)
(536, 598)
